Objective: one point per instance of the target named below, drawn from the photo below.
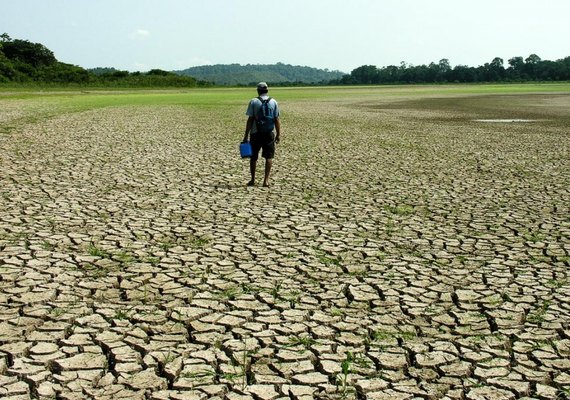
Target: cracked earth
(404, 251)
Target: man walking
(264, 127)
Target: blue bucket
(245, 150)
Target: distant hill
(236, 74)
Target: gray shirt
(254, 106)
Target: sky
(139, 35)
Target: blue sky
(138, 35)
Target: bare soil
(404, 251)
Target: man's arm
(248, 126)
(278, 130)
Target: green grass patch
(402, 209)
(53, 102)
(534, 237)
(95, 251)
(539, 315)
(198, 242)
(328, 260)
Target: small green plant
(48, 246)
(146, 297)
(241, 366)
(247, 288)
(275, 289)
(25, 238)
(198, 242)
(97, 252)
(308, 196)
(337, 312)
(402, 210)
(390, 227)
(124, 257)
(538, 316)
(430, 310)
(293, 297)
(246, 366)
(533, 236)
(305, 341)
(169, 357)
(166, 245)
(121, 314)
(58, 311)
(327, 260)
(542, 344)
(495, 299)
(557, 283)
(345, 370)
(154, 261)
(96, 271)
(232, 376)
(231, 293)
(506, 297)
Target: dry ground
(404, 251)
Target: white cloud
(140, 34)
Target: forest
(531, 68)
(26, 63)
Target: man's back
(254, 108)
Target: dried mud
(403, 251)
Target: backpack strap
(264, 102)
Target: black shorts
(265, 142)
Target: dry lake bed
(414, 244)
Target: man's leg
(268, 164)
(252, 166)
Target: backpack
(265, 117)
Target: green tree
(366, 74)
(516, 68)
(159, 72)
(497, 69)
(532, 66)
(463, 73)
(444, 68)
(7, 71)
(533, 59)
(23, 51)
(62, 73)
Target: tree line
(532, 68)
(24, 62)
